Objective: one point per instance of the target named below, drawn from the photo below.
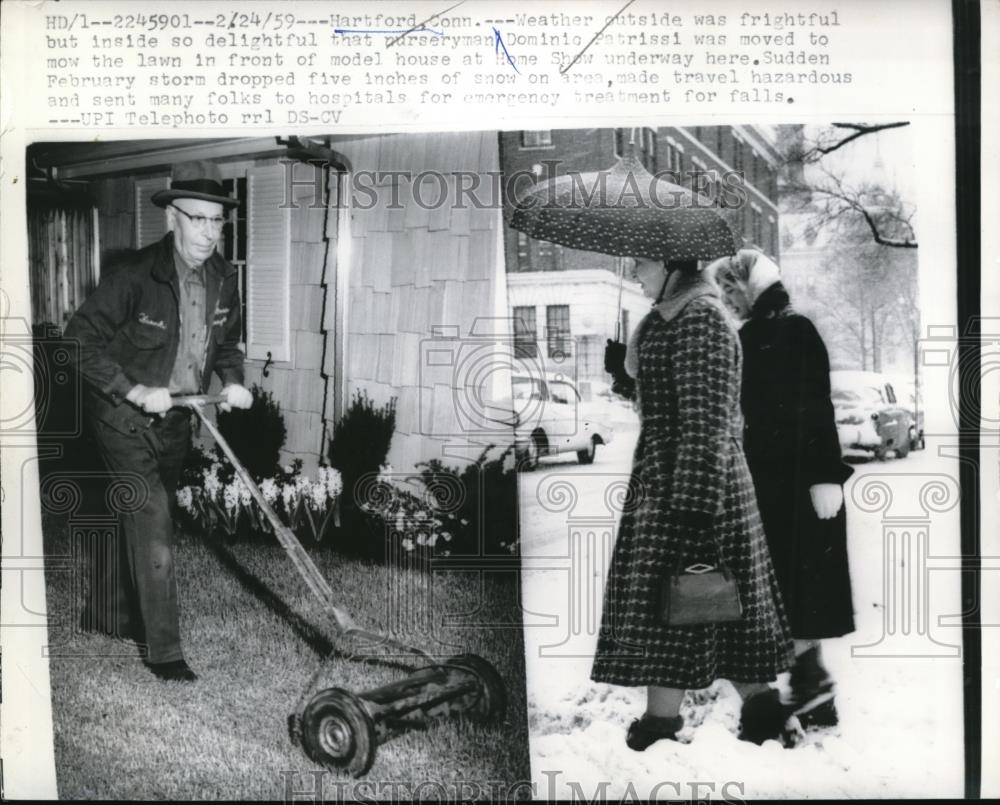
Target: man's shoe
(644, 732)
(763, 718)
(176, 671)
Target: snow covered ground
(901, 710)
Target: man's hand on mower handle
(236, 396)
(151, 399)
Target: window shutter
(268, 257)
(150, 220)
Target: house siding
(414, 269)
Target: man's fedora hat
(200, 179)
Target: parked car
(909, 397)
(869, 415)
(550, 417)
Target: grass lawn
(255, 636)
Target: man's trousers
(133, 591)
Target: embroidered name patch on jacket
(145, 319)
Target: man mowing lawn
(157, 327)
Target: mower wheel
(491, 703)
(338, 732)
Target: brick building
(563, 300)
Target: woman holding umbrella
(794, 457)
(691, 499)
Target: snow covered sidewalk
(901, 717)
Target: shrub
(477, 503)
(358, 448)
(256, 434)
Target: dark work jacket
(128, 332)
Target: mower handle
(192, 400)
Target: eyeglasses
(201, 221)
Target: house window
(557, 331)
(536, 139)
(525, 332)
(233, 243)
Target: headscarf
(749, 267)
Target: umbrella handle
(618, 310)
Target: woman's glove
(623, 385)
(614, 357)
(826, 499)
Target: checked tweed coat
(689, 483)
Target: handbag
(700, 594)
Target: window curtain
(63, 267)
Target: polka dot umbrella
(625, 211)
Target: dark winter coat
(692, 500)
(791, 444)
(128, 331)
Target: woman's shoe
(812, 691)
(644, 732)
(763, 718)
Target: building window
(536, 139)
(645, 145)
(699, 178)
(621, 141)
(673, 163)
(757, 226)
(649, 149)
(738, 163)
(525, 332)
(537, 255)
(557, 332)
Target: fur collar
(680, 290)
(773, 301)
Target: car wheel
(586, 456)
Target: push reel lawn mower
(340, 729)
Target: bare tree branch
(860, 130)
